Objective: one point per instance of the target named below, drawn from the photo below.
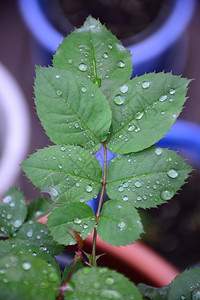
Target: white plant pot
(14, 129)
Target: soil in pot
(125, 18)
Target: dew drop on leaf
(196, 294)
(138, 184)
(69, 61)
(121, 64)
(172, 91)
(77, 221)
(121, 225)
(139, 115)
(125, 198)
(163, 98)
(167, 194)
(158, 151)
(30, 233)
(119, 99)
(9, 216)
(62, 148)
(131, 128)
(145, 84)
(86, 271)
(59, 93)
(125, 184)
(84, 89)
(109, 281)
(110, 46)
(26, 266)
(105, 55)
(137, 129)
(17, 223)
(12, 204)
(38, 237)
(88, 188)
(120, 188)
(124, 89)
(53, 277)
(82, 67)
(60, 166)
(57, 76)
(172, 173)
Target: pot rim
(17, 135)
(144, 50)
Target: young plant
(90, 108)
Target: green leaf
(67, 173)
(72, 109)
(147, 178)
(144, 109)
(186, 286)
(101, 283)
(13, 211)
(152, 293)
(39, 207)
(67, 270)
(25, 277)
(119, 223)
(78, 216)
(96, 53)
(37, 234)
(17, 246)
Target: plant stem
(99, 205)
(64, 285)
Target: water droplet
(88, 188)
(182, 297)
(59, 93)
(120, 188)
(38, 237)
(172, 91)
(30, 233)
(77, 221)
(82, 67)
(145, 84)
(125, 184)
(26, 266)
(167, 194)
(12, 204)
(172, 173)
(139, 115)
(119, 99)
(17, 223)
(9, 216)
(121, 64)
(163, 98)
(62, 148)
(109, 281)
(86, 271)
(137, 129)
(131, 128)
(158, 151)
(7, 199)
(124, 89)
(70, 61)
(125, 198)
(57, 76)
(53, 277)
(60, 166)
(82, 200)
(84, 89)
(139, 198)
(105, 55)
(196, 294)
(138, 184)
(110, 46)
(119, 206)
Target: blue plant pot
(165, 49)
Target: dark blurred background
(17, 54)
